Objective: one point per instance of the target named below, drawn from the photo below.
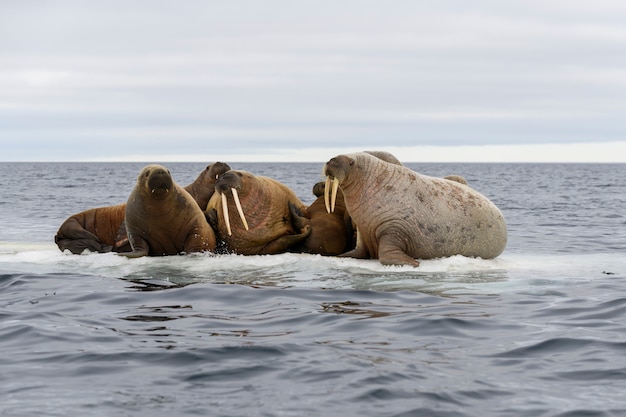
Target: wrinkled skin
(203, 187)
(265, 203)
(103, 230)
(162, 218)
(402, 215)
(98, 230)
(331, 233)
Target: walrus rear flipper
(78, 246)
(73, 236)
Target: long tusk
(327, 194)
(333, 197)
(239, 209)
(225, 210)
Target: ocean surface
(538, 331)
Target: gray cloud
(247, 76)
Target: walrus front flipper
(121, 240)
(390, 253)
(283, 243)
(211, 218)
(298, 219)
(140, 247)
(198, 241)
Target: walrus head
(157, 180)
(216, 169)
(231, 181)
(336, 170)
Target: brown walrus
(402, 215)
(162, 218)
(262, 204)
(102, 229)
(98, 230)
(203, 187)
(331, 233)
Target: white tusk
(239, 209)
(225, 210)
(327, 194)
(333, 197)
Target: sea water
(538, 331)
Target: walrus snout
(228, 180)
(335, 171)
(232, 181)
(159, 179)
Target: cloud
(268, 76)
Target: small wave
(559, 346)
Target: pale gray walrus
(402, 215)
(162, 218)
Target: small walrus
(402, 215)
(102, 229)
(331, 233)
(162, 218)
(262, 205)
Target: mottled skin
(331, 233)
(162, 218)
(203, 187)
(103, 230)
(265, 203)
(402, 215)
(98, 230)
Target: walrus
(102, 229)
(99, 229)
(203, 187)
(385, 156)
(388, 157)
(402, 215)
(264, 225)
(162, 218)
(331, 233)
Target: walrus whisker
(239, 209)
(225, 210)
(327, 194)
(333, 197)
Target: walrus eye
(351, 162)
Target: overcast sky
(305, 80)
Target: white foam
(507, 272)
